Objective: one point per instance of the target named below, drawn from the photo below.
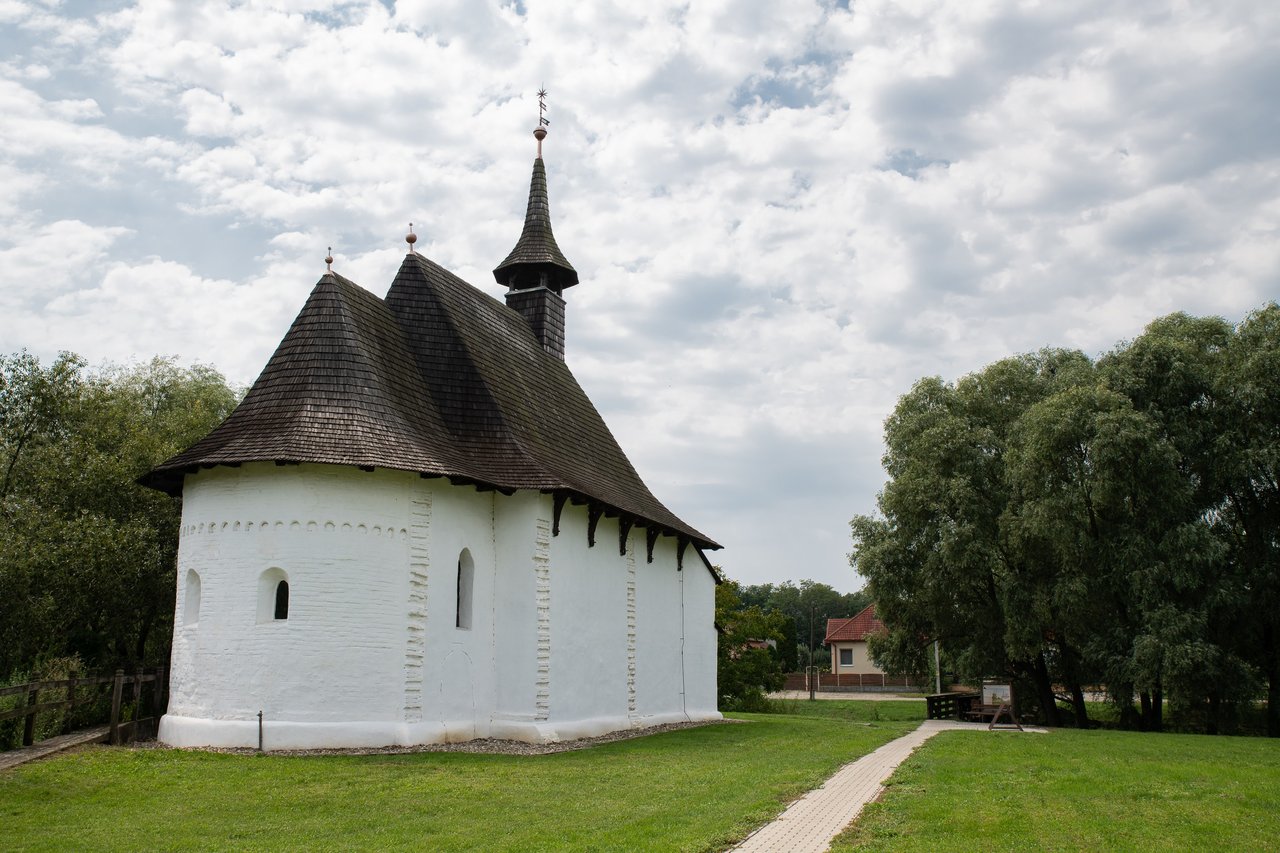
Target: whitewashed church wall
(563, 640)
(660, 673)
(617, 629)
(522, 522)
(340, 536)
(588, 629)
(458, 675)
(701, 695)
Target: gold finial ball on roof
(411, 238)
(328, 259)
(540, 134)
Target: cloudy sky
(783, 212)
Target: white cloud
(783, 213)
(48, 261)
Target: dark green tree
(746, 670)
(1246, 462)
(936, 559)
(1113, 524)
(87, 555)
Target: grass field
(694, 789)
(1078, 790)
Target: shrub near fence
(37, 710)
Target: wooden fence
(848, 681)
(942, 706)
(80, 691)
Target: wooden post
(71, 706)
(157, 695)
(29, 726)
(116, 689)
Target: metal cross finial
(543, 121)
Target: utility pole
(937, 668)
(813, 669)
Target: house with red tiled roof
(848, 641)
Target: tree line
(785, 616)
(1076, 523)
(87, 556)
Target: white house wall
(565, 641)
(862, 662)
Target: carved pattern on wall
(415, 644)
(631, 630)
(542, 595)
(311, 526)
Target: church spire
(536, 272)
(536, 260)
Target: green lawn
(854, 711)
(694, 789)
(1078, 790)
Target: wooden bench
(980, 713)
(992, 714)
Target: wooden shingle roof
(438, 378)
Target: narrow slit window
(282, 600)
(273, 596)
(466, 580)
(191, 612)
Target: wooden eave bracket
(557, 506)
(683, 543)
(650, 539)
(624, 530)
(594, 511)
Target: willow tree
(936, 559)
(1112, 524)
(1246, 458)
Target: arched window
(191, 607)
(273, 595)
(282, 600)
(466, 580)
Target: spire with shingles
(536, 260)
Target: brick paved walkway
(809, 824)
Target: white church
(416, 528)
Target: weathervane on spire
(543, 122)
